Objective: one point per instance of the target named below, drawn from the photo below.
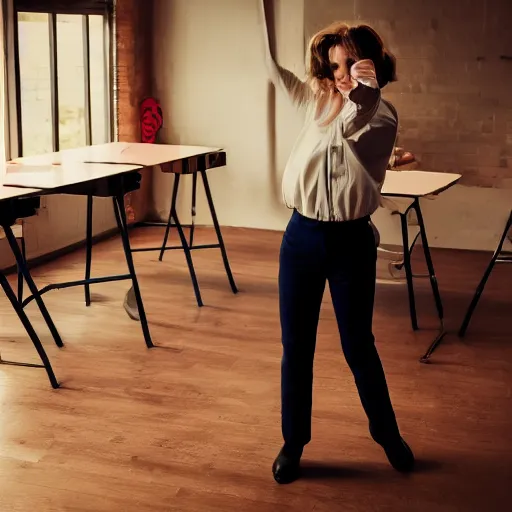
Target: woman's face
(341, 63)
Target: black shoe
(398, 452)
(286, 467)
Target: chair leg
(120, 214)
(31, 285)
(88, 254)
(485, 277)
(29, 329)
(219, 234)
(169, 220)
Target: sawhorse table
(74, 178)
(412, 186)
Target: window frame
(65, 6)
(14, 130)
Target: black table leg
(193, 212)
(30, 331)
(408, 271)
(120, 214)
(88, 253)
(20, 261)
(433, 283)
(169, 221)
(188, 256)
(20, 274)
(484, 279)
(184, 244)
(219, 234)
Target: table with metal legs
(415, 185)
(115, 187)
(74, 178)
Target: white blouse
(336, 172)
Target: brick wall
(134, 68)
(454, 94)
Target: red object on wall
(151, 120)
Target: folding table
(414, 185)
(60, 173)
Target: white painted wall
(211, 80)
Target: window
(62, 57)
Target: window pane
(71, 81)
(35, 83)
(99, 86)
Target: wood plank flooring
(193, 425)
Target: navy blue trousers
(344, 255)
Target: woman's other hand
(364, 71)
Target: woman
(332, 182)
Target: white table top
(146, 155)
(68, 173)
(70, 167)
(417, 183)
(135, 153)
(13, 192)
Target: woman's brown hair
(360, 42)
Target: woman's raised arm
(298, 91)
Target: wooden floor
(194, 424)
